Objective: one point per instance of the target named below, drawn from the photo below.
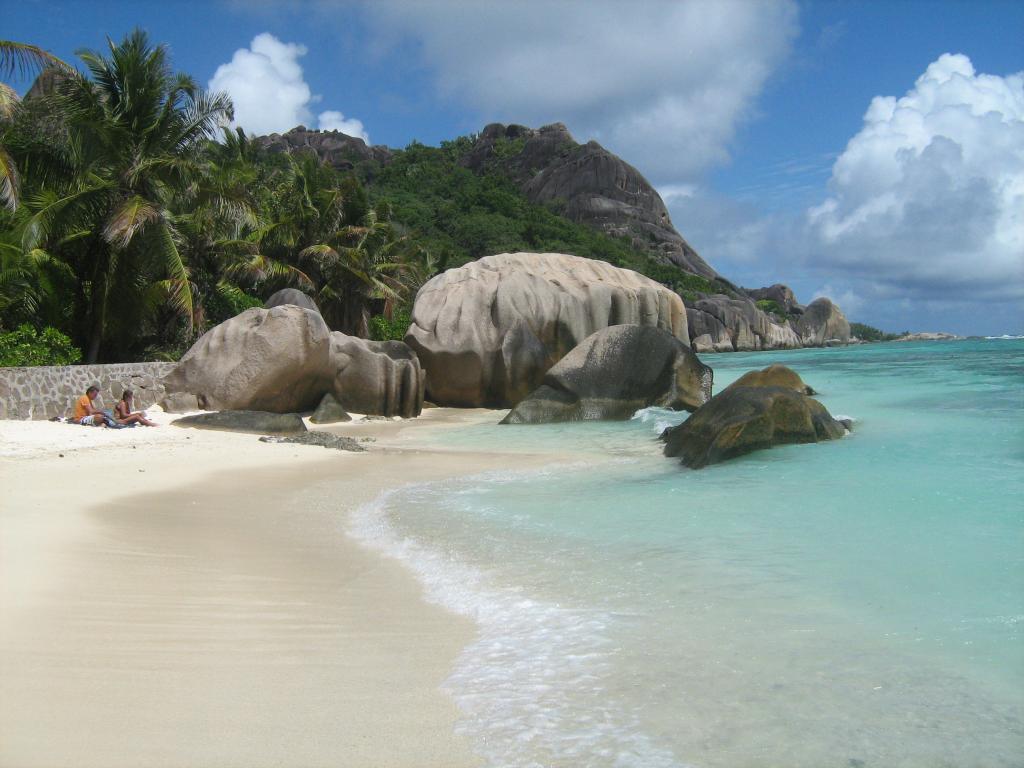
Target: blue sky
(831, 146)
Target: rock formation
(285, 360)
(487, 332)
(590, 184)
(336, 149)
(773, 376)
(330, 411)
(323, 439)
(740, 420)
(821, 323)
(291, 296)
(736, 324)
(382, 378)
(615, 372)
(260, 360)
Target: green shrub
(868, 333)
(394, 329)
(27, 346)
(771, 306)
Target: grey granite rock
(487, 332)
(330, 411)
(615, 372)
(324, 439)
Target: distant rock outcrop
(615, 372)
(487, 332)
(588, 184)
(740, 420)
(736, 324)
(336, 149)
(822, 322)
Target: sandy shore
(167, 598)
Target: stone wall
(43, 392)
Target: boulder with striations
(615, 372)
(380, 378)
(260, 360)
(487, 332)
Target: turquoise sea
(854, 603)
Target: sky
(871, 151)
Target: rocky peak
(337, 149)
(589, 184)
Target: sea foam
(531, 687)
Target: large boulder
(487, 332)
(381, 378)
(773, 376)
(740, 420)
(261, 360)
(615, 372)
(291, 296)
(822, 322)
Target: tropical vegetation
(133, 217)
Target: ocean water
(853, 603)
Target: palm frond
(21, 59)
(128, 220)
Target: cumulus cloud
(332, 120)
(664, 84)
(270, 93)
(928, 197)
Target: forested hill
(131, 221)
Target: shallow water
(854, 603)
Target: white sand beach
(166, 599)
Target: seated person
(86, 413)
(124, 414)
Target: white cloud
(269, 92)
(663, 84)
(335, 121)
(929, 195)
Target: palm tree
(133, 135)
(359, 263)
(20, 59)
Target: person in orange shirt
(85, 413)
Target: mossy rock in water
(740, 420)
(773, 376)
(259, 422)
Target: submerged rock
(615, 372)
(324, 439)
(487, 332)
(260, 422)
(773, 376)
(740, 420)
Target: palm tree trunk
(97, 306)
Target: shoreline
(176, 597)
